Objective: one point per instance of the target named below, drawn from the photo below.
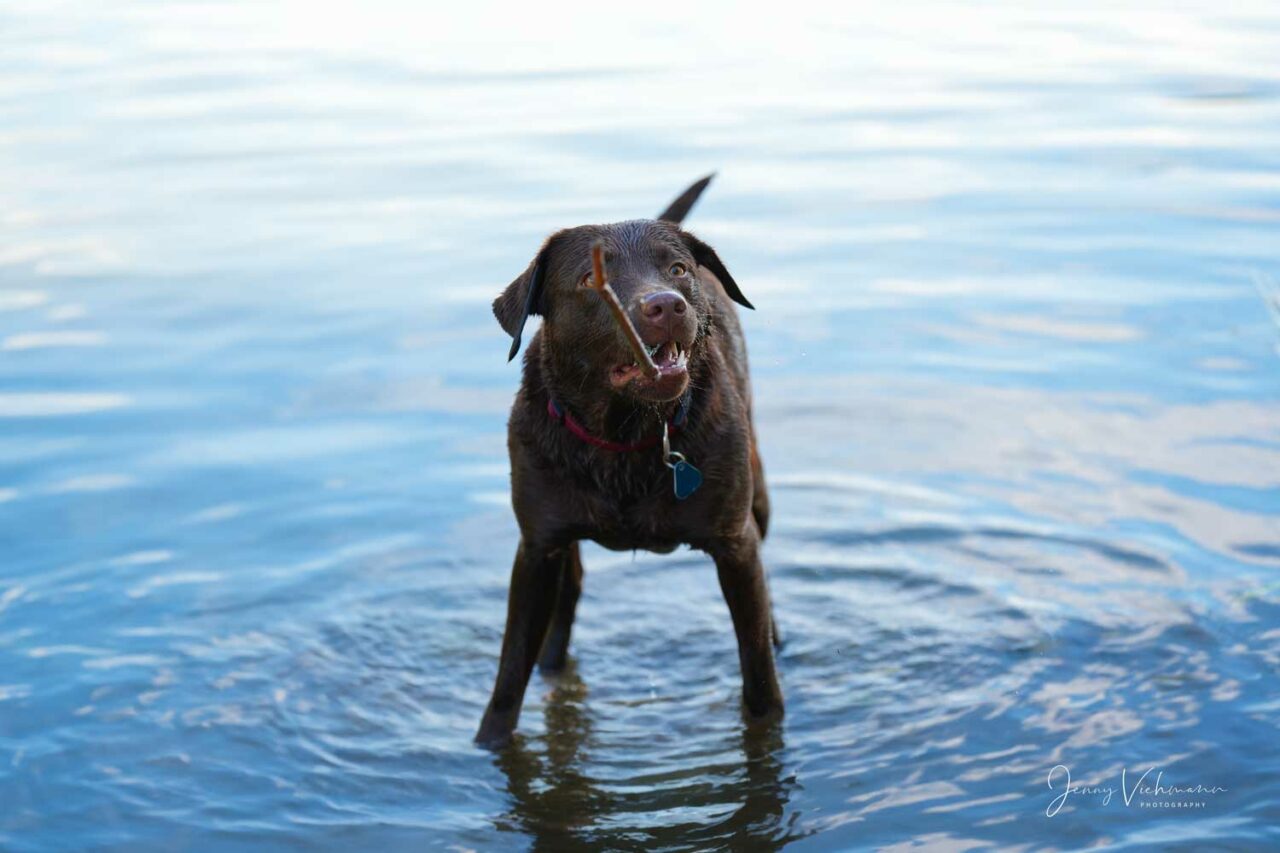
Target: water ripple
(1014, 381)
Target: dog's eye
(678, 270)
(585, 281)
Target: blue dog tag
(686, 479)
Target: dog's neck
(611, 416)
(604, 413)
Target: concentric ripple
(1014, 367)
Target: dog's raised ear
(523, 297)
(679, 209)
(707, 257)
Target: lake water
(1015, 359)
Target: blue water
(1015, 360)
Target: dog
(602, 451)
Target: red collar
(558, 413)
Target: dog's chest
(625, 537)
(639, 518)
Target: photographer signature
(1145, 795)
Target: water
(1015, 368)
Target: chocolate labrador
(602, 450)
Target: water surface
(1015, 364)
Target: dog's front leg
(743, 583)
(555, 648)
(535, 580)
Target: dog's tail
(679, 209)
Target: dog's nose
(661, 308)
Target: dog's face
(653, 268)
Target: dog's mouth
(672, 360)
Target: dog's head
(653, 266)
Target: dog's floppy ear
(522, 297)
(707, 257)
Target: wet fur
(564, 490)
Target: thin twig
(624, 322)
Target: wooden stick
(624, 322)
